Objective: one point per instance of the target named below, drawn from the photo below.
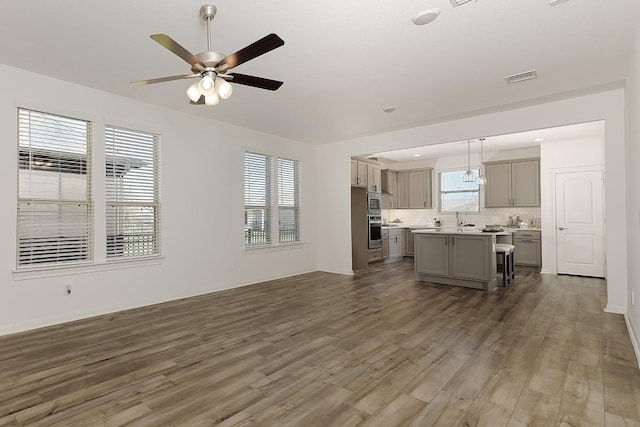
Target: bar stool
(506, 253)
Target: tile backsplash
(500, 216)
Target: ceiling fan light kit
(211, 67)
(212, 99)
(481, 179)
(469, 176)
(223, 88)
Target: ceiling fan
(211, 67)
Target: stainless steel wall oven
(374, 204)
(375, 231)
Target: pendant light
(481, 180)
(468, 175)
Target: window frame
(69, 162)
(256, 190)
(275, 203)
(476, 171)
(135, 245)
(285, 204)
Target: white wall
(554, 157)
(633, 192)
(202, 208)
(334, 244)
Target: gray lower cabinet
(456, 259)
(396, 243)
(408, 242)
(385, 244)
(375, 255)
(433, 250)
(528, 248)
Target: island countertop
(470, 232)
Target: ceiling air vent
(457, 3)
(521, 77)
(556, 2)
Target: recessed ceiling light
(521, 77)
(416, 155)
(389, 109)
(556, 2)
(457, 3)
(538, 140)
(426, 16)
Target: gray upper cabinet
(373, 178)
(420, 189)
(389, 186)
(359, 173)
(402, 196)
(366, 174)
(515, 183)
(410, 189)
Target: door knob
(563, 228)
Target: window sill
(71, 269)
(281, 247)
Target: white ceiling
(343, 60)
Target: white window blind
(55, 216)
(289, 200)
(257, 199)
(272, 193)
(132, 193)
(456, 195)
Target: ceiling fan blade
(164, 79)
(259, 82)
(169, 43)
(262, 46)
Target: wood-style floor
(376, 349)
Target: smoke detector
(521, 77)
(426, 16)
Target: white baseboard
(635, 336)
(615, 310)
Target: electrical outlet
(633, 298)
(67, 289)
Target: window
(257, 199)
(288, 200)
(55, 216)
(271, 191)
(458, 196)
(132, 193)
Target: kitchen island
(460, 258)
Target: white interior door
(580, 223)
